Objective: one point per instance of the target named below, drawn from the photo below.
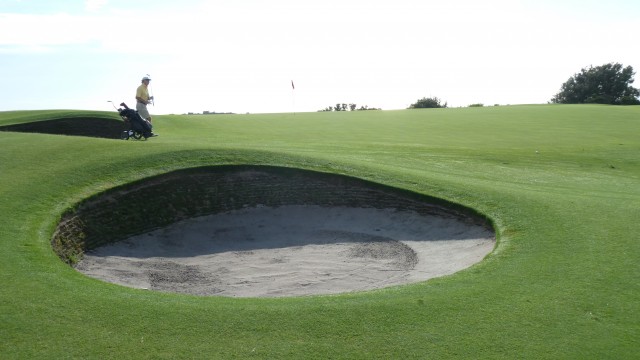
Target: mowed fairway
(560, 183)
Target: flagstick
(293, 98)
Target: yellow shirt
(142, 92)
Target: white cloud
(25, 30)
(30, 33)
(95, 5)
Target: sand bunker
(291, 250)
(263, 231)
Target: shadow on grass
(76, 126)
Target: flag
(292, 86)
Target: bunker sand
(293, 250)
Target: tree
(433, 102)
(605, 84)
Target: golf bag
(136, 126)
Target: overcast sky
(241, 55)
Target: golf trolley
(135, 126)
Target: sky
(242, 56)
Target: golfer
(143, 98)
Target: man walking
(143, 98)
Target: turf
(561, 184)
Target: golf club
(151, 93)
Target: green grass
(561, 183)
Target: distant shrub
(476, 105)
(432, 102)
(351, 107)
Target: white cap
(146, 77)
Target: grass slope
(562, 184)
